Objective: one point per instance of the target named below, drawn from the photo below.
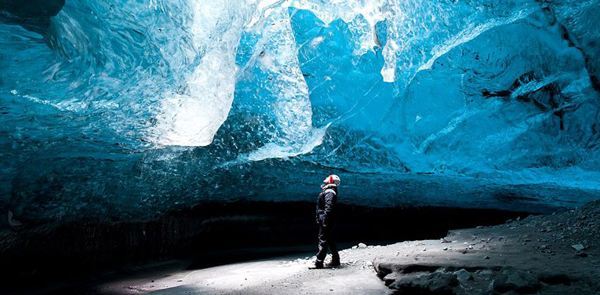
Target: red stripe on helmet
(330, 178)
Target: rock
(514, 280)
(390, 278)
(463, 276)
(578, 247)
(443, 240)
(438, 282)
(554, 278)
(485, 272)
(12, 221)
(362, 245)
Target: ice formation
(126, 109)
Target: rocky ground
(550, 254)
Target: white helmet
(332, 179)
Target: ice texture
(129, 109)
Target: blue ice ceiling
(128, 109)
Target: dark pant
(326, 242)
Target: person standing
(326, 219)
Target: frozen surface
(127, 109)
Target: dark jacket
(326, 206)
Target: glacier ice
(127, 109)
(193, 117)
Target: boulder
(438, 282)
(514, 280)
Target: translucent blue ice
(127, 109)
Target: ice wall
(128, 109)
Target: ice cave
(162, 127)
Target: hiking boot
(334, 263)
(318, 264)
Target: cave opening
(78, 256)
